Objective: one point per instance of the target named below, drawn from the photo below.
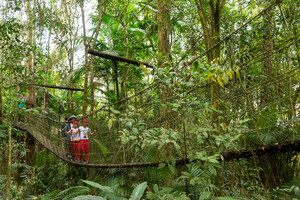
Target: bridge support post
(30, 145)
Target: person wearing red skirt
(84, 141)
(75, 141)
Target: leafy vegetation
(224, 78)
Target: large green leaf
(72, 192)
(104, 150)
(138, 192)
(108, 190)
(229, 198)
(105, 189)
(88, 197)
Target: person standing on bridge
(84, 141)
(69, 126)
(75, 139)
(65, 139)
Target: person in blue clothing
(21, 107)
(65, 139)
(22, 103)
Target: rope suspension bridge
(276, 131)
(269, 105)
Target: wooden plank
(118, 58)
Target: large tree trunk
(163, 17)
(206, 33)
(211, 31)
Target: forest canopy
(149, 99)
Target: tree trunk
(100, 4)
(8, 165)
(86, 64)
(46, 69)
(125, 70)
(1, 106)
(211, 32)
(30, 141)
(116, 74)
(207, 35)
(163, 17)
(267, 62)
(70, 48)
(30, 64)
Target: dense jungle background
(190, 99)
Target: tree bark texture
(163, 17)
(211, 26)
(163, 44)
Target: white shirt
(84, 133)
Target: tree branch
(118, 58)
(57, 87)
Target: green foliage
(72, 192)
(197, 110)
(108, 192)
(165, 193)
(138, 191)
(89, 197)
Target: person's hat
(73, 117)
(75, 122)
(85, 121)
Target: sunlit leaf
(109, 123)
(229, 74)
(138, 192)
(219, 81)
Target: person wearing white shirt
(84, 141)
